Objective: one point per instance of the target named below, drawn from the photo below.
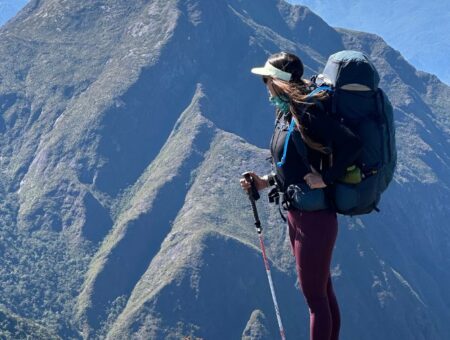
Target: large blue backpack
(364, 108)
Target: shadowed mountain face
(125, 127)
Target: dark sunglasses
(265, 79)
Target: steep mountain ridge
(122, 212)
(145, 220)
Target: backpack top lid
(351, 68)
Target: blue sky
(8, 8)
(419, 29)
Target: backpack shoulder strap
(327, 88)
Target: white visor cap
(271, 71)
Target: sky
(419, 29)
(9, 8)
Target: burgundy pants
(313, 235)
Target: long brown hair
(299, 102)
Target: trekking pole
(254, 196)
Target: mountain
(14, 327)
(125, 128)
(9, 8)
(419, 29)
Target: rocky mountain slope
(125, 127)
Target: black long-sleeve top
(320, 127)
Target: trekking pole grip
(253, 192)
(253, 195)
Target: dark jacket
(320, 127)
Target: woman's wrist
(265, 182)
(269, 180)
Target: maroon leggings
(313, 235)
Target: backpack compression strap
(292, 125)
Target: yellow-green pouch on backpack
(352, 176)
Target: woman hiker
(316, 153)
